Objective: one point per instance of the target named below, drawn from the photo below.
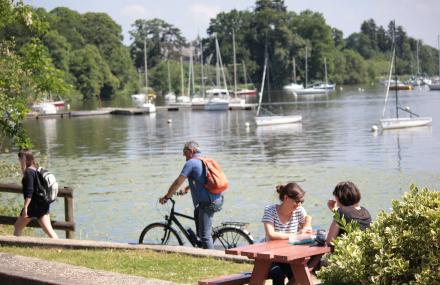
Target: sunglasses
(298, 200)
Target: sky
(420, 18)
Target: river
(120, 165)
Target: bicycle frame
(172, 218)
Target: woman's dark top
(361, 216)
(38, 207)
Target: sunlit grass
(166, 266)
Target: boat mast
(146, 68)
(395, 70)
(244, 75)
(201, 67)
(438, 42)
(182, 91)
(169, 76)
(306, 69)
(325, 71)
(263, 79)
(235, 67)
(217, 69)
(418, 63)
(190, 72)
(294, 69)
(219, 57)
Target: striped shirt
(292, 226)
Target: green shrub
(401, 247)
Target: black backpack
(47, 185)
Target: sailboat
(398, 122)
(170, 97)
(271, 119)
(235, 102)
(218, 97)
(144, 101)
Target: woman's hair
(292, 190)
(28, 156)
(347, 193)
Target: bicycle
(227, 235)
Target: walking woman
(282, 220)
(34, 207)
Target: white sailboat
(235, 102)
(144, 101)
(398, 122)
(199, 102)
(271, 119)
(218, 97)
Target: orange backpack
(216, 181)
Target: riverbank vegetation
(166, 266)
(88, 48)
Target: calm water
(120, 165)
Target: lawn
(166, 266)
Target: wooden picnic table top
(279, 250)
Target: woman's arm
(307, 226)
(333, 232)
(27, 201)
(271, 234)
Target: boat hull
(434, 87)
(217, 105)
(400, 123)
(276, 120)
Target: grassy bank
(166, 266)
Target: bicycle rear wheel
(230, 237)
(160, 234)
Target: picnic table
(280, 251)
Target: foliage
(399, 248)
(163, 40)
(149, 264)
(26, 71)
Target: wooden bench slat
(232, 279)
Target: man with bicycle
(205, 203)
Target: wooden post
(68, 209)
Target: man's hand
(331, 204)
(163, 199)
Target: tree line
(88, 51)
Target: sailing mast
(325, 70)
(201, 67)
(263, 79)
(395, 70)
(182, 91)
(306, 69)
(235, 67)
(294, 69)
(146, 69)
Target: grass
(166, 266)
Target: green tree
(25, 73)
(161, 38)
(93, 77)
(68, 24)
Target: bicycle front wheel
(230, 237)
(160, 234)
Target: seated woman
(346, 204)
(282, 220)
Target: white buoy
(247, 124)
(169, 121)
(374, 128)
(68, 106)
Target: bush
(401, 247)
